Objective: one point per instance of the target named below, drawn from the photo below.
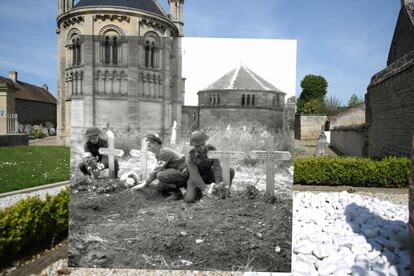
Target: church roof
(26, 91)
(241, 78)
(145, 5)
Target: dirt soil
(114, 227)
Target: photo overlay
(171, 177)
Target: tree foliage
(314, 89)
(354, 101)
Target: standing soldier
(92, 145)
(171, 170)
(203, 170)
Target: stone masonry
(411, 208)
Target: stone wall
(35, 113)
(352, 116)
(12, 140)
(348, 141)
(257, 118)
(308, 127)
(390, 110)
(189, 118)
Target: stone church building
(241, 98)
(390, 97)
(119, 63)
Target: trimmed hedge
(390, 172)
(32, 223)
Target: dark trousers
(170, 181)
(208, 178)
(84, 169)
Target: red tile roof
(26, 91)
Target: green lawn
(25, 167)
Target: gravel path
(10, 200)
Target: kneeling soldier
(91, 148)
(203, 170)
(171, 170)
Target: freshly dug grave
(111, 226)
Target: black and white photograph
(179, 161)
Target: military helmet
(153, 138)
(92, 131)
(198, 138)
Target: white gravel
(10, 200)
(348, 234)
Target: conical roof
(242, 78)
(144, 5)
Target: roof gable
(27, 91)
(242, 78)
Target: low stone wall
(308, 127)
(12, 140)
(349, 141)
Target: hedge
(32, 223)
(390, 172)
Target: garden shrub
(390, 172)
(31, 223)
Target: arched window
(76, 50)
(248, 99)
(253, 100)
(243, 100)
(218, 99)
(147, 54)
(153, 55)
(114, 50)
(274, 100)
(107, 49)
(151, 48)
(211, 99)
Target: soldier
(91, 148)
(171, 170)
(203, 170)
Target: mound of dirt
(140, 229)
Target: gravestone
(174, 134)
(111, 152)
(322, 144)
(143, 156)
(271, 157)
(225, 157)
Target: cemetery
(112, 225)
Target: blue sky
(344, 41)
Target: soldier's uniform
(94, 150)
(171, 172)
(202, 169)
(209, 169)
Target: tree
(314, 88)
(354, 101)
(331, 104)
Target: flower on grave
(129, 182)
(130, 178)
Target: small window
(253, 100)
(248, 99)
(107, 49)
(218, 99)
(243, 100)
(115, 51)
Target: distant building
(390, 97)
(241, 97)
(33, 105)
(119, 62)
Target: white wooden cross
(226, 157)
(174, 134)
(111, 152)
(270, 157)
(143, 160)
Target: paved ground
(48, 141)
(310, 147)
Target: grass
(24, 167)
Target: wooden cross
(270, 157)
(111, 152)
(226, 157)
(143, 159)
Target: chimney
(45, 87)
(13, 76)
